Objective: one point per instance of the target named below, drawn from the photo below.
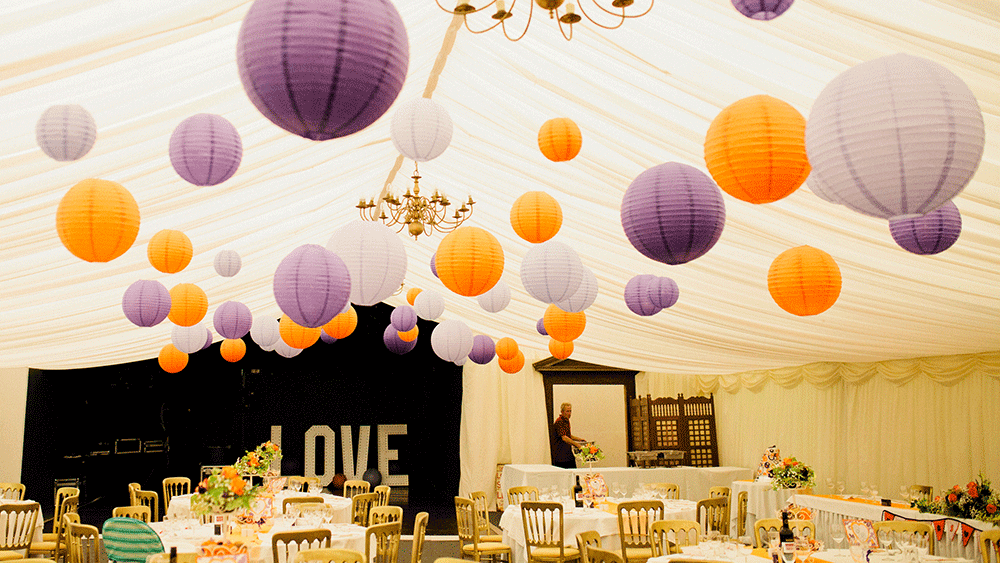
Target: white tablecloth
(844, 556)
(762, 502)
(700, 553)
(189, 539)
(180, 505)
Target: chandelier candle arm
(618, 9)
(419, 214)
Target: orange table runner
(863, 501)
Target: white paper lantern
(285, 350)
(375, 257)
(896, 136)
(551, 271)
(66, 132)
(228, 263)
(462, 361)
(451, 340)
(265, 331)
(428, 304)
(496, 299)
(188, 339)
(421, 129)
(584, 296)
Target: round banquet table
(188, 535)
(180, 505)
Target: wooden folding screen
(667, 425)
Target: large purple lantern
(146, 303)
(232, 320)
(483, 349)
(205, 149)
(312, 285)
(322, 69)
(663, 292)
(928, 234)
(762, 9)
(673, 213)
(394, 343)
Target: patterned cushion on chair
(130, 540)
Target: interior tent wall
(599, 415)
(13, 393)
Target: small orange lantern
(296, 335)
(343, 324)
(536, 216)
(560, 350)
(512, 365)
(171, 359)
(188, 304)
(469, 261)
(169, 251)
(409, 335)
(559, 139)
(412, 294)
(804, 281)
(506, 348)
(97, 220)
(563, 326)
(233, 349)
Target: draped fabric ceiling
(642, 95)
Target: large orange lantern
(755, 149)
(188, 304)
(804, 281)
(469, 261)
(409, 335)
(536, 216)
(512, 365)
(563, 326)
(97, 220)
(412, 294)
(343, 324)
(296, 335)
(233, 349)
(171, 359)
(169, 251)
(560, 350)
(507, 348)
(559, 139)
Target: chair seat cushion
(553, 553)
(638, 553)
(10, 555)
(50, 536)
(45, 547)
(490, 547)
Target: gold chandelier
(419, 214)
(568, 15)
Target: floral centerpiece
(589, 453)
(793, 474)
(224, 491)
(261, 462)
(977, 501)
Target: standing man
(562, 440)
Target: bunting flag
(938, 529)
(941, 526)
(967, 533)
(886, 515)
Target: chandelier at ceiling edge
(419, 214)
(568, 15)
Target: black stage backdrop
(101, 425)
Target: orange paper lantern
(171, 359)
(804, 281)
(559, 139)
(97, 220)
(512, 365)
(506, 348)
(188, 304)
(169, 251)
(560, 350)
(412, 294)
(755, 149)
(233, 349)
(343, 324)
(469, 261)
(296, 335)
(409, 335)
(563, 326)
(536, 216)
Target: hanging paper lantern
(496, 299)
(584, 296)
(146, 303)
(322, 69)
(560, 139)
(169, 251)
(461, 362)
(637, 295)
(663, 292)
(540, 326)
(205, 149)
(286, 351)
(342, 325)
(188, 339)
(429, 305)
(483, 349)
(395, 344)
(228, 263)
(209, 338)
(232, 320)
(171, 359)
(560, 350)
(311, 285)
(375, 257)
(673, 213)
(66, 132)
(296, 335)
(97, 220)
(421, 129)
(264, 330)
(409, 335)
(755, 149)
(928, 234)
(536, 216)
(762, 9)
(469, 261)
(412, 294)
(506, 348)
(512, 365)
(899, 135)
(551, 271)
(564, 326)
(188, 304)
(434, 269)
(804, 281)
(327, 338)
(451, 340)
(403, 318)
(233, 350)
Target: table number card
(860, 532)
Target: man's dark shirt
(561, 451)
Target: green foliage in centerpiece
(793, 474)
(590, 452)
(222, 491)
(977, 501)
(263, 461)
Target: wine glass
(829, 484)
(904, 493)
(840, 488)
(874, 491)
(885, 539)
(865, 490)
(921, 543)
(837, 533)
(903, 539)
(773, 539)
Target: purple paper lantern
(434, 268)
(540, 327)
(637, 295)
(483, 349)
(322, 69)
(327, 338)
(663, 292)
(312, 285)
(403, 318)
(232, 320)
(762, 9)
(673, 213)
(928, 234)
(205, 149)
(146, 303)
(395, 344)
(209, 337)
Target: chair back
(762, 526)
(383, 514)
(132, 488)
(11, 491)
(361, 507)
(718, 492)
(587, 540)
(181, 558)
(989, 542)
(384, 540)
(175, 486)
(285, 545)
(355, 486)
(467, 522)
(150, 500)
(634, 519)
(63, 493)
(129, 540)
(668, 490)
(543, 526)
(684, 532)
(419, 531)
(741, 513)
(482, 518)
(298, 500)
(81, 542)
(517, 495)
(923, 528)
(297, 483)
(137, 512)
(19, 525)
(383, 495)
(598, 555)
(329, 555)
(714, 512)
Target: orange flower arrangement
(977, 500)
(222, 491)
(265, 460)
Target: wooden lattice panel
(639, 412)
(681, 424)
(666, 435)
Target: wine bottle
(173, 554)
(787, 539)
(578, 493)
